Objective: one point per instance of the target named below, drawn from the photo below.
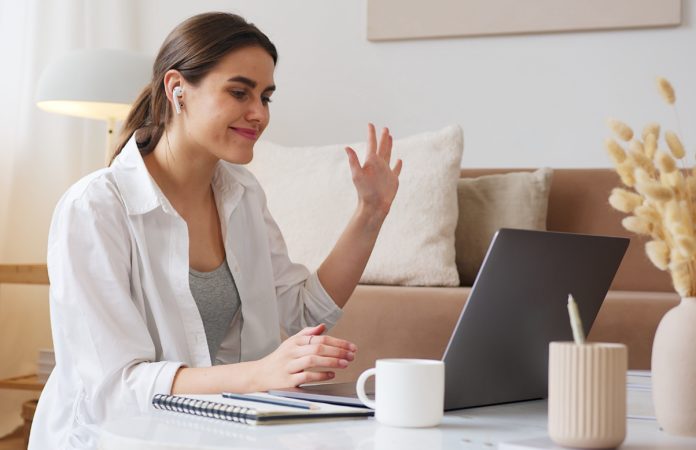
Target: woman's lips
(248, 133)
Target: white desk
(479, 428)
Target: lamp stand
(110, 129)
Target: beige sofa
(396, 321)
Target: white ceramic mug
(408, 392)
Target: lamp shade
(93, 83)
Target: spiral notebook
(253, 412)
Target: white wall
(526, 100)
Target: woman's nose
(257, 111)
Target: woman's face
(228, 110)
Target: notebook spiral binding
(204, 408)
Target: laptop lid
(498, 351)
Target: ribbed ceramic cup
(587, 394)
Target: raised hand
(375, 181)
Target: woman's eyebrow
(251, 83)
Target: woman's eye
(238, 94)
(243, 95)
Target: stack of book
(639, 402)
(46, 363)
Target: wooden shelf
(24, 273)
(23, 382)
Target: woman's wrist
(249, 377)
(371, 215)
(253, 376)
(239, 377)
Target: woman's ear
(172, 79)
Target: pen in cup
(270, 401)
(575, 321)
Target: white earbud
(177, 92)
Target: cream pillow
(311, 196)
(490, 202)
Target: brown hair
(193, 48)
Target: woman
(168, 273)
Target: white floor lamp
(96, 84)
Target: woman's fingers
(334, 342)
(371, 140)
(297, 359)
(353, 161)
(311, 331)
(385, 145)
(383, 149)
(312, 335)
(310, 377)
(316, 362)
(325, 350)
(315, 352)
(397, 167)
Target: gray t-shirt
(218, 302)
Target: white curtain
(41, 154)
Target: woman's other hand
(297, 358)
(375, 181)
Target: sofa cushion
(311, 195)
(490, 202)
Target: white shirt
(122, 314)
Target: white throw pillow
(311, 196)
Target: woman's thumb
(313, 331)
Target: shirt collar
(141, 194)
(139, 191)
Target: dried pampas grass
(627, 174)
(658, 253)
(660, 196)
(666, 90)
(647, 212)
(622, 130)
(617, 154)
(650, 145)
(639, 159)
(624, 200)
(674, 144)
(665, 163)
(637, 225)
(651, 128)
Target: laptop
(498, 351)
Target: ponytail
(140, 117)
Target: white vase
(674, 369)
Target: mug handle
(360, 387)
